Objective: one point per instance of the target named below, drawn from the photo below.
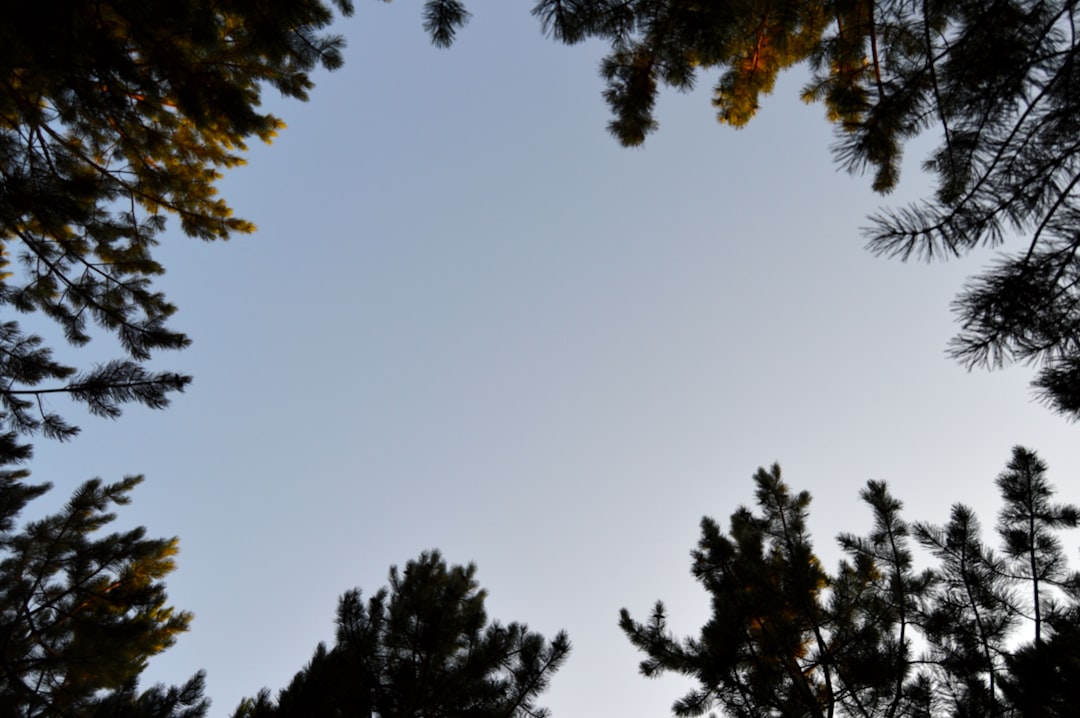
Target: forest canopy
(115, 116)
(994, 83)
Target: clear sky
(470, 320)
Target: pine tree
(113, 116)
(421, 649)
(997, 82)
(1044, 678)
(81, 613)
(878, 638)
(1027, 525)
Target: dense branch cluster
(81, 612)
(879, 638)
(421, 649)
(996, 82)
(113, 116)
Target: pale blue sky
(470, 320)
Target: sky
(471, 321)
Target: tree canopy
(995, 82)
(421, 649)
(115, 115)
(81, 613)
(878, 637)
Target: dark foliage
(421, 649)
(113, 116)
(81, 613)
(997, 82)
(878, 638)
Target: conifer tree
(1043, 680)
(81, 613)
(995, 82)
(421, 649)
(1027, 525)
(115, 115)
(878, 638)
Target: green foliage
(877, 637)
(996, 82)
(422, 648)
(81, 613)
(114, 115)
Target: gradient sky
(470, 320)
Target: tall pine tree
(421, 649)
